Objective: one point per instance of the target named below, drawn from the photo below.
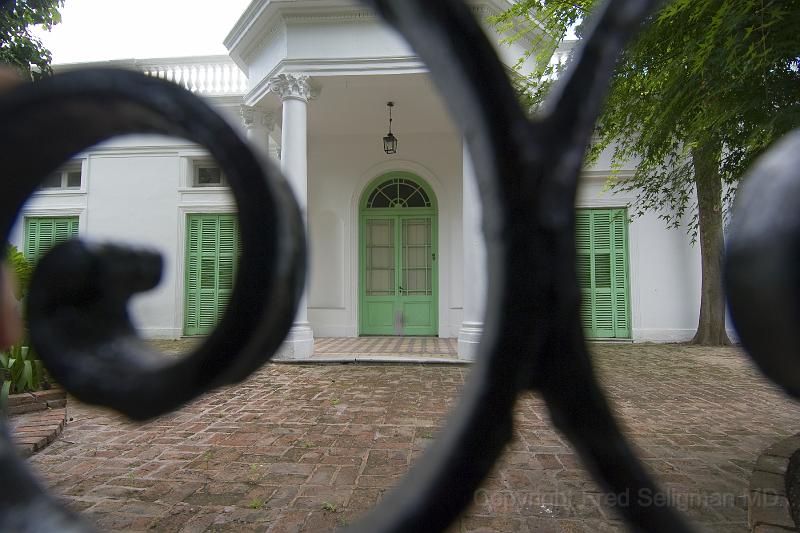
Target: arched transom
(398, 193)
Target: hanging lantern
(390, 141)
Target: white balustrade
(204, 75)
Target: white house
(394, 238)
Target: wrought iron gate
(527, 170)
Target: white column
(295, 92)
(474, 291)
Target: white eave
(264, 17)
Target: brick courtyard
(310, 447)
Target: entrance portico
(325, 77)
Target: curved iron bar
(528, 173)
(763, 251)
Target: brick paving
(33, 431)
(310, 447)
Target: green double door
(212, 256)
(601, 238)
(398, 275)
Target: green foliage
(256, 503)
(20, 371)
(545, 23)
(712, 77)
(22, 269)
(18, 46)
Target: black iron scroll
(528, 173)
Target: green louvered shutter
(191, 326)
(583, 245)
(227, 260)
(42, 233)
(602, 265)
(619, 284)
(212, 252)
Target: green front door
(398, 281)
(602, 263)
(212, 256)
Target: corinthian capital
(297, 86)
(248, 114)
(254, 117)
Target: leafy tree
(705, 87)
(18, 47)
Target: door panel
(380, 275)
(416, 288)
(398, 285)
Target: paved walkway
(310, 447)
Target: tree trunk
(711, 324)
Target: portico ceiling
(349, 105)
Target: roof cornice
(262, 19)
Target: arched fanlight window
(398, 192)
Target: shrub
(20, 371)
(22, 268)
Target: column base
(469, 336)
(299, 343)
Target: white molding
(110, 152)
(592, 174)
(320, 68)
(355, 14)
(57, 193)
(589, 203)
(53, 211)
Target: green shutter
(602, 268)
(622, 328)
(212, 253)
(42, 233)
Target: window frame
(197, 165)
(64, 171)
